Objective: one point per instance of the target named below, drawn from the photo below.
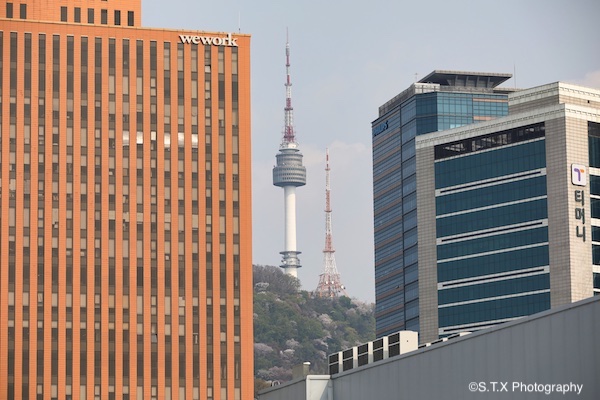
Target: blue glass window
(392, 231)
(595, 207)
(594, 184)
(494, 263)
(412, 325)
(411, 255)
(475, 167)
(409, 185)
(412, 309)
(410, 238)
(394, 213)
(388, 266)
(383, 252)
(594, 143)
(409, 131)
(391, 319)
(408, 150)
(492, 218)
(388, 303)
(410, 202)
(393, 283)
(409, 167)
(494, 289)
(411, 274)
(491, 243)
(497, 139)
(493, 310)
(409, 110)
(496, 194)
(596, 233)
(411, 291)
(410, 220)
(595, 254)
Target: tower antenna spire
(288, 174)
(330, 284)
(288, 134)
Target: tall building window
(90, 15)
(117, 17)
(594, 144)
(77, 14)
(63, 14)
(104, 17)
(9, 10)
(130, 18)
(23, 11)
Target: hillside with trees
(291, 326)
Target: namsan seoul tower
(330, 284)
(289, 173)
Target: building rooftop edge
(438, 76)
(506, 122)
(302, 379)
(473, 335)
(133, 28)
(552, 88)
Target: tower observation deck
(289, 173)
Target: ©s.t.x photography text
(525, 387)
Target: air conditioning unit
(380, 349)
(402, 342)
(365, 354)
(349, 359)
(335, 363)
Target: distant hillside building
(125, 206)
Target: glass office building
(491, 228)
(441, 100)
(125, 206)
(509, 212)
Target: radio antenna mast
(330, 284)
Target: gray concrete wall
(558, 346)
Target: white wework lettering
(209, 40)
(206, 40)
(231, 41)
(186, 38)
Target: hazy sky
(348, 58)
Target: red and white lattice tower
(330, 284)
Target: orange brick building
(125, 206)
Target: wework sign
(209, 40)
